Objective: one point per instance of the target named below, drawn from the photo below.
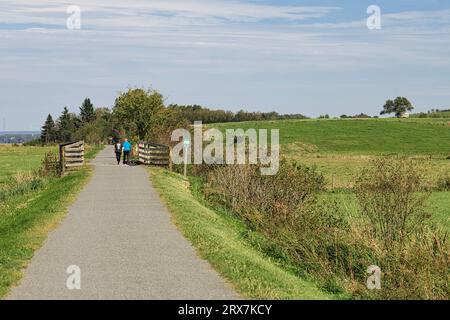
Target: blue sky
(310, 57)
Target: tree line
(94, 125)
(139, 114)
(196, 113)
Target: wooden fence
(71, 155)
(154, 154)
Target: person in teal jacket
(126, 146)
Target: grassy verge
(27, 217)
(223, 241)
(24, 227)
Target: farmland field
(371, 136)
(339, 148)
(15, 159)
(19, 158)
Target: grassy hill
(339, 148)
(361, 136)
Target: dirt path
(122, 239)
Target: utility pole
(4, 124)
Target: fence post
(62, 162)
(170, 159)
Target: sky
(311, 57)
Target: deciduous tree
(399, 106)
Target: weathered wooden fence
(154, 154)
(71, 155)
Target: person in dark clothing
(118, 151)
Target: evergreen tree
(65, 126)
(87, 112)
(48, 130)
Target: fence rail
(71, 155)
(154, 154)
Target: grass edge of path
(25, 231)
(219, 240)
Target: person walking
(126, 151)
(118, 151)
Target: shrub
(391, 193)
(246, 192)
(412, 253)
(416, 269)
(50, 166)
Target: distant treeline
(198, 113)
(433, 113)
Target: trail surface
(121, 237)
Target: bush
(417, 268)
(412, 253)
(50, 165)
(391, 193)
(246, 192)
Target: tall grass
(20, 184)
(24, 182)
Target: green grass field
(365, 136)
(15, 159)
(18, 158)
(339, 148)
(438, 205)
